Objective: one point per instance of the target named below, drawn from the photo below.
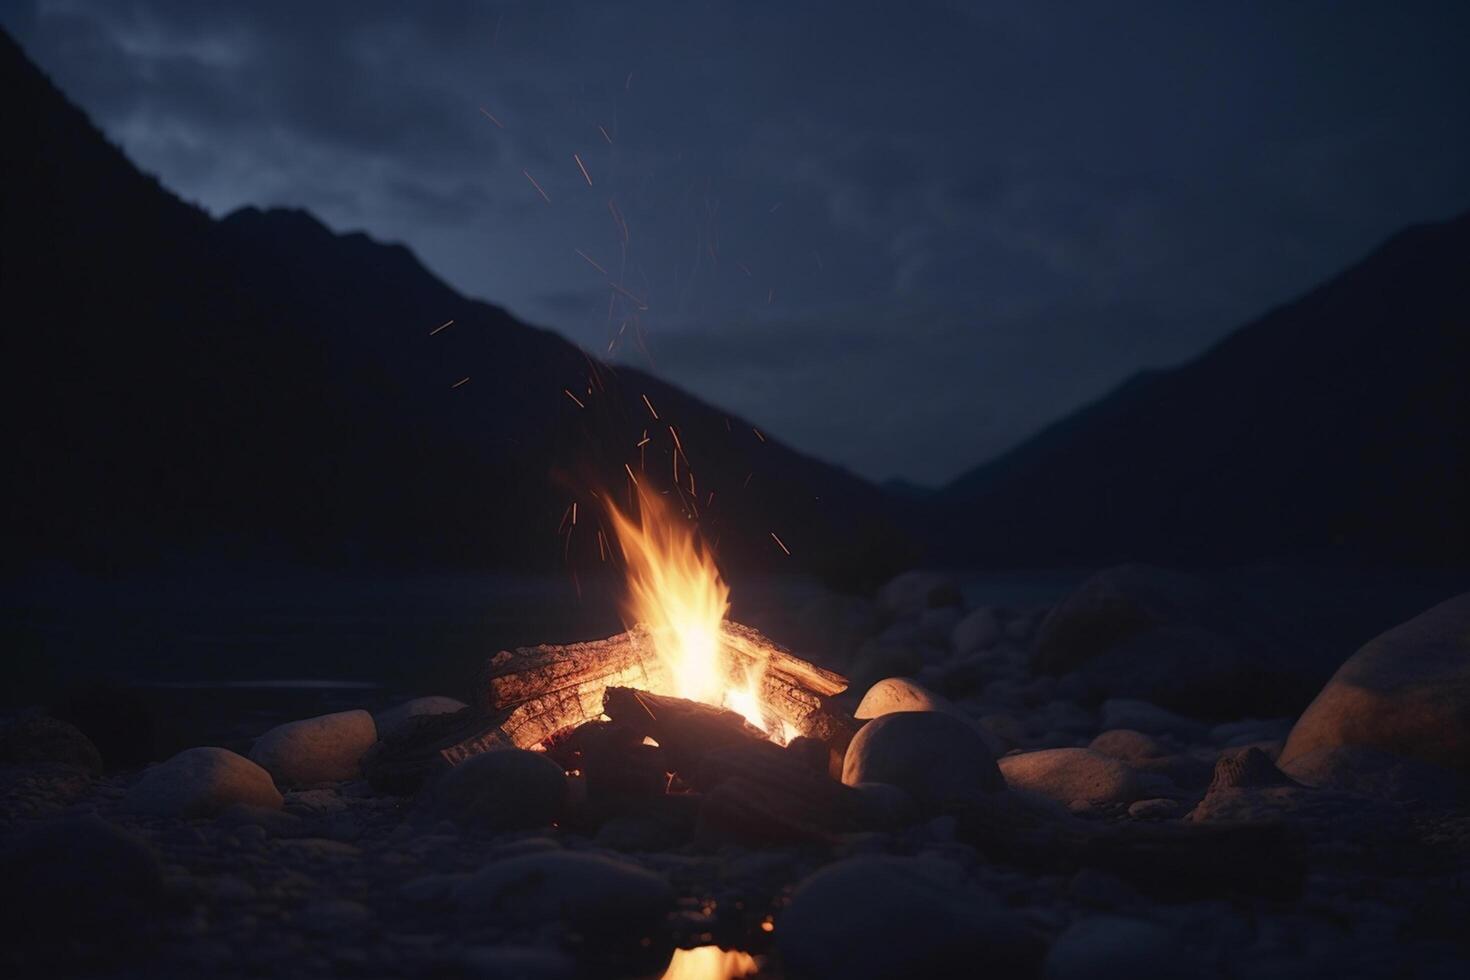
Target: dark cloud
(901, 235)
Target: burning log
(685, 730)
(534, 692)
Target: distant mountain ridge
(261, 386)
(1335, 426)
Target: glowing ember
(675, 589)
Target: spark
(630, 474)
(446, 323)
(650, 407)
(461, 381)
(711, 501)
(565, 515)
(770, 294)
(644, 441)
(604, 134)
(781, 543)
(677, 444)
(601, 546)
(628, 82)
(747, 479)
(568, 393)
(486, 113)
(583, 167)
(641, 304)
(537, 186)
(618, 219)
(590, 261)
(758, 433)
(574, 513)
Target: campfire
(684, 702)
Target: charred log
(685, 730)
(544, 689)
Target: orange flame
(675, 589)
(709, 963)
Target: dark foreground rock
(508, 789)
(81, 882)
(877, 918)
(588, 892)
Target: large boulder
(324, 749)
(1072, 776)
(37, 739)
(940, 760)
(1135, 631)
(591, 893)
(1406, 692)
(501, 790)
(202, 782)
(873, 918)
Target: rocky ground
(1146, 779)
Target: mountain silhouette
(259, 386)
(1336, 426)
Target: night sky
(901, 236)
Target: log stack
(525, 697)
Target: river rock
(939, 759)
(1112, 946)
(324, 749)
(591, 893)
(398, 719)
(1071, 775)
(501, 790)
(977, 631)
(874, 918)
(1136, 631)
(1149, 718)
(202, 782)
(1147, 754)
(909, 594)
(1129, 745)
(1406, 692)
(34, 738)
(901, 694)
